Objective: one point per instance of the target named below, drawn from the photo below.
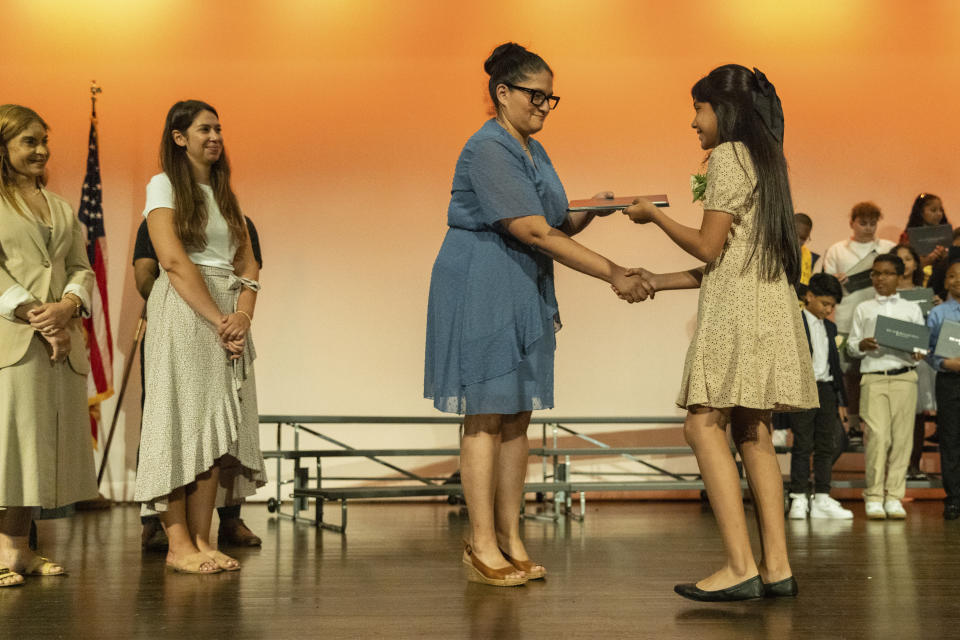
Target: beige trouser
(887, 407)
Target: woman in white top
(199, 445)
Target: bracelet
(77, 304)
(246, 314)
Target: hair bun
(505, 51)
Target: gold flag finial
(94, 90)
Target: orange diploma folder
(614, 204)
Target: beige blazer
(43, 271)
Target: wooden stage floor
(396, 574)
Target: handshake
(634, 285)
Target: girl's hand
(233, 327)
(641, 211)
(603, 195)
(869, 344)
(936, 300)
(632, 288)
(649, 277)
(937, 254)
(51, 317)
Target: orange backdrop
(343, 120)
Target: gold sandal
(482, 574)
(41, 566)
(223, 561)
(8, 573)
(193, 563)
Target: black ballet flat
(786, 588)
(746, 590)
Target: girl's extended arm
(705, 243)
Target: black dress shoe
(746, 590)
(951, 511)
(786, 588)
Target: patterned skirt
(200, 406)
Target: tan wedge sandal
(533, 570)
(478, 572)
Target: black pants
(948, 426)
(817, 432)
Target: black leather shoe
(746, 590)
(951, 511)
(786, 588)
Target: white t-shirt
(845, 254)
(220, 249)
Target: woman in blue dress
(492, 312)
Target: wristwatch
(77, 306)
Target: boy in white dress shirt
(819, 431)
(838, 260)
(888, 391)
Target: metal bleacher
(560, 482)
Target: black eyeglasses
(537, 97)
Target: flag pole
(99, 502)
(123, 389)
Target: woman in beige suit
(45, 284)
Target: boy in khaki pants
(888, 391)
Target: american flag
(97, 326)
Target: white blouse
(220, 248)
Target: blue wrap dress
(492, 312)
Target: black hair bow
(767, 105)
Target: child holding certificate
(749, 355)
(948, 394)
(888, 391)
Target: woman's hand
(233, 327)
(59, 343)
(603, 195)
(641, 211)
(632, 288)
(50, 317)
(234, 348)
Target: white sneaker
(823, 506)
(779, 437)
(894, 510)
(799, 506)
(875, 511)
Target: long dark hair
(916, 212)
(917, 275)
(511, 63)
(748, 110)
(190, 211)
